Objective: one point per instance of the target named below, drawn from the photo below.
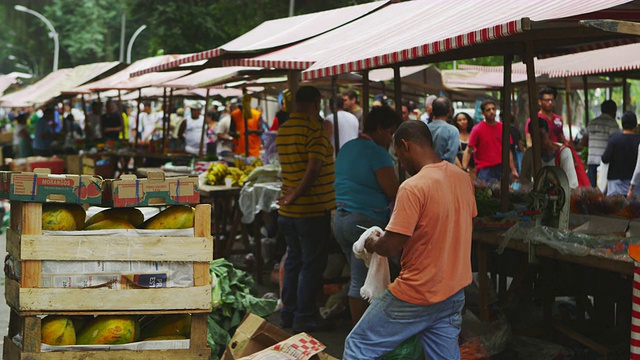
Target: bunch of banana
(239, 163)
(246, 106)
(249, 169)
(237, 176)
(216, 174)
(257, 162)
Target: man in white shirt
(148, 122)
(191, 130)
(347, 124)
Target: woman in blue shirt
(366, 185)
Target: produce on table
(218, 172)
(132, 215)
(591, 201)
(62, 217)
(110, 224)
(173, 217)
(58, 330)
(167, 326)
(109, 329)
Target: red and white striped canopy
(274, 34)
(613, 59)
(415, 29)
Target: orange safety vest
(254, 140)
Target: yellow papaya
(108, 329)
(110, 224)
(166, 337)
(167, 325)
(57, 330)
(132, 215)
(173, 217)
(62, 217)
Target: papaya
(57, 330)
(166, 337)
(62, 217)
(132, 215)
(173, 217)
(167, 325)
(110, 224)
(108, 329)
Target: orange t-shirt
(254, 140)
(435, 208)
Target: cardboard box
(42, 186)
(154, 190)
(255, 334)
(73, 164)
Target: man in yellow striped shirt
(306, 157)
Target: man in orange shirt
(254, 132)
(432, 222)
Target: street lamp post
(133, 38)
(52, 32)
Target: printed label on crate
(40, 187)
(116, 274)
(153, 191)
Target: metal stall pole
(121, 108)
(533, 114)
(164, 115)
(397, 87)
(364, 98)
(506, 131)
(567, 100)
(334, 104)
(165, 126)
(204, 125)
(138, 112)
(585, 83)
(626, 102)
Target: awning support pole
(585, 83)
(533, 105)
(626, 103)
(364, 99)
(397, 88)
(567, 99)
(204, 124)
(506, 132)
(334, 105)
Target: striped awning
(409, 30)
(274, 34)
(208, 77)
(601, 61)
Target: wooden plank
(31, 334)
(201, 275)
(616, 26)
(115, 248)
(599, 348)
(31, 225)
(13, 243)
(12, 351)
(15, 216)
(199, 331)
(47, 300)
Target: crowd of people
(427, 220)
(65, 128)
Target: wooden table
(609, 280)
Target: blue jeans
(490, 174)
(347, 232)
(389, 321)
(307, 251)
(592, 173)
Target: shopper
(431, 225)
(366, 185)
(306, 156)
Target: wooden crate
(27, 300)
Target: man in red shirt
(485, 141)
(547, 102)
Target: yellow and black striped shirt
(299, 139)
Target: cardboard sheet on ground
(255, 334)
